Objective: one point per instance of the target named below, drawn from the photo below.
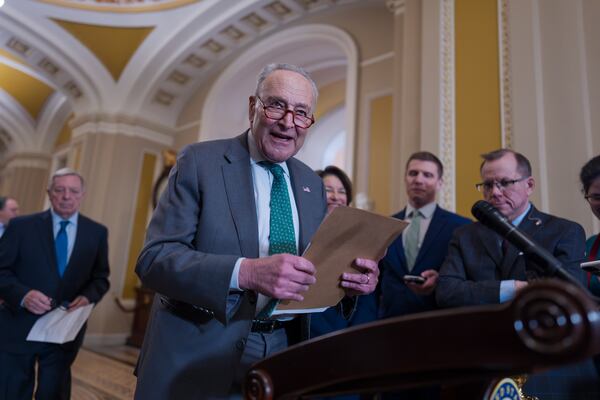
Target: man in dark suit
(423, 179)
(9, 208)
(482, 268)
(216, 250)
(54, 258)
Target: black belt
(200, 315)
(267, 326)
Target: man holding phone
(410, 268)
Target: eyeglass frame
(501, 185)
(285, 111)
(592, 198)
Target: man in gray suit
(482, 268)
(210, 249)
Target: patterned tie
(282, 238)
(411, 249)
(61, 244)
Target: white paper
(59, 325)
(299, 311)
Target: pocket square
(306, 189)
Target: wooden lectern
(466, 350)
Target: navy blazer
(396, 297)
(28, 261)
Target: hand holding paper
(59, 325)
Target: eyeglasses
(593, 198)
(277, 112)
(59, 190)
(504, 184)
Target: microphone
(489, 216)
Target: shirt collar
(519, 219)
(427, 210)
(57, 218)
(256, 157)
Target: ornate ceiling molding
(121, 6)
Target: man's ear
(530, 185)
(251, 108)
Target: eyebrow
(277, 98)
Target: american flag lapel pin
(306, 189)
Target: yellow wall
(380, 149)
(478, 127)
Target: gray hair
(267, 70)
(65, 172)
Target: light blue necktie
(411, 248)
(282, 237)
(61, 244)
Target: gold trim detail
(448, 135)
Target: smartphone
(591, 266)
(419, 280)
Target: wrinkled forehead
(67, 181)
(504, 167)
(289, 87)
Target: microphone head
(486, 213)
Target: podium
(465, 350)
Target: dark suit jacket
(474, 267)
(28, 261)
(397, 298)
(205, 220)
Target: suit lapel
(530, 226)
(490, 242)
(237, 176)
(48, 239)
(303, 194)
(438, 220)
(78, 245)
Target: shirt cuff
(508, 290)
(233, 283)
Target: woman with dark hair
(338, 188)
(590, 181)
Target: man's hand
(520, 285)
(37, 302)
(426, 288)
(79, 301)
(363, 283)
(281, 276)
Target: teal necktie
(282, 237)
(61, 245)
(411, 247)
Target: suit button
(252, 297)
(240, 344)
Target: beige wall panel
(25, 177)
(185, 137)
(374, 82)
(111, 165)
(556, 88)
(380, 153)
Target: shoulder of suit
(300, 168)
(549, 219)
(457, 218)
(85, 221)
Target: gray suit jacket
(205, 220)
(474, 267)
